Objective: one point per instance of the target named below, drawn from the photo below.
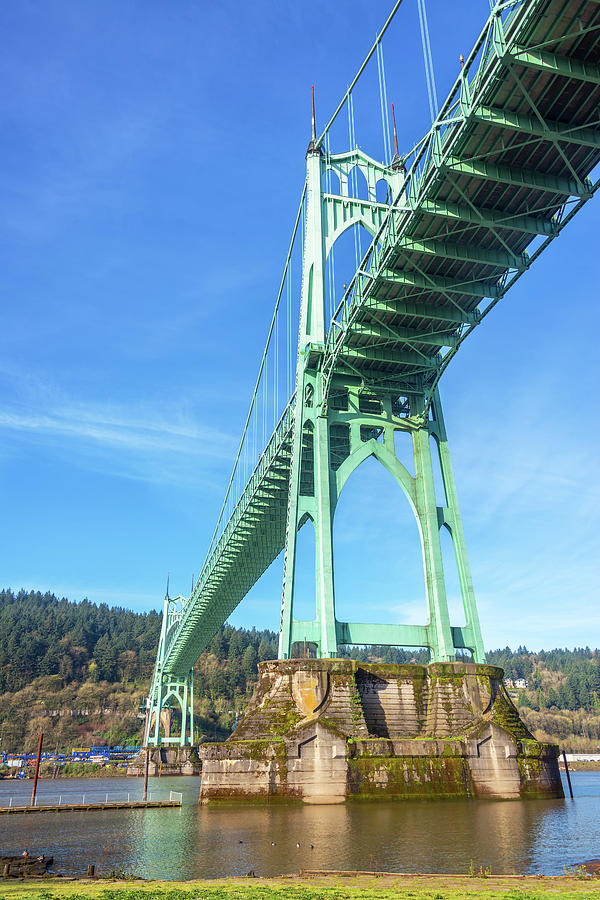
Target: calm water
(527, 836)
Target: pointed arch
(388, 461)
(375, 541)
(357, 183)
(330, 182)
(304, 606)
(383, 191)
(454, 594)
(355, 218)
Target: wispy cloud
(161, 442)
(112, 429)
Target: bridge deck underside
(509, 165)
(252, 539)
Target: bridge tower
(509, 160)
(169, 691)
(343, 416)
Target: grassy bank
(586, 765)
(354, 887)
(73, 770)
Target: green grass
(330, 888)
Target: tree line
(561, 679)
(42, 635)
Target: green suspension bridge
(454, 223)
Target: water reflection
(192, 842)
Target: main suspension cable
(299, 215)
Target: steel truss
(505, 166)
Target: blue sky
(152, 156)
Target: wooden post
(568, 774)
(146, 766)
(37, 768)
(91, 870)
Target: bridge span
(509, 160)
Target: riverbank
(581, 765)
(72, 770)
(313, 887)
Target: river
(527, 836)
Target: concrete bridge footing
(330, 731)
(166, 761)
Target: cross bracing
(252, 539)
(508, 162)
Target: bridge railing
(22, 799)
(253, 485)
(423, 164)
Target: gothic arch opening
(331, 182)
(357, 184)
(383, 191)
(170, 719)
(342, 262)
(440, 491)
(451, 579)
(304, 607)
(377, 551)
(403, 448)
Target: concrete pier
(166, 761)
(328, 731)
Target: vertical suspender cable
(386, 107)
(331, 257)
(353, 177)
(288, 367)
(255, 447)
(385, 122)
(264, 400)
(276, 374)
(431, 89)
(340, 105)
(253, 410)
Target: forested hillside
(80, 673)
(41, 635)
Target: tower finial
(397, 162)
(168, 576)
(396, 154)
(312, 147)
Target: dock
(72, 807)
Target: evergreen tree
(249, 662)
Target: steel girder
(252, 538)
(508, 159)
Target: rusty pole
(146, 767)
(37, 768)
(564, 756)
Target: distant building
(519, 683)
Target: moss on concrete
(433, 762)
(408, 777)
(505, 714)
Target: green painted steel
(169, 690)
(505, 166)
